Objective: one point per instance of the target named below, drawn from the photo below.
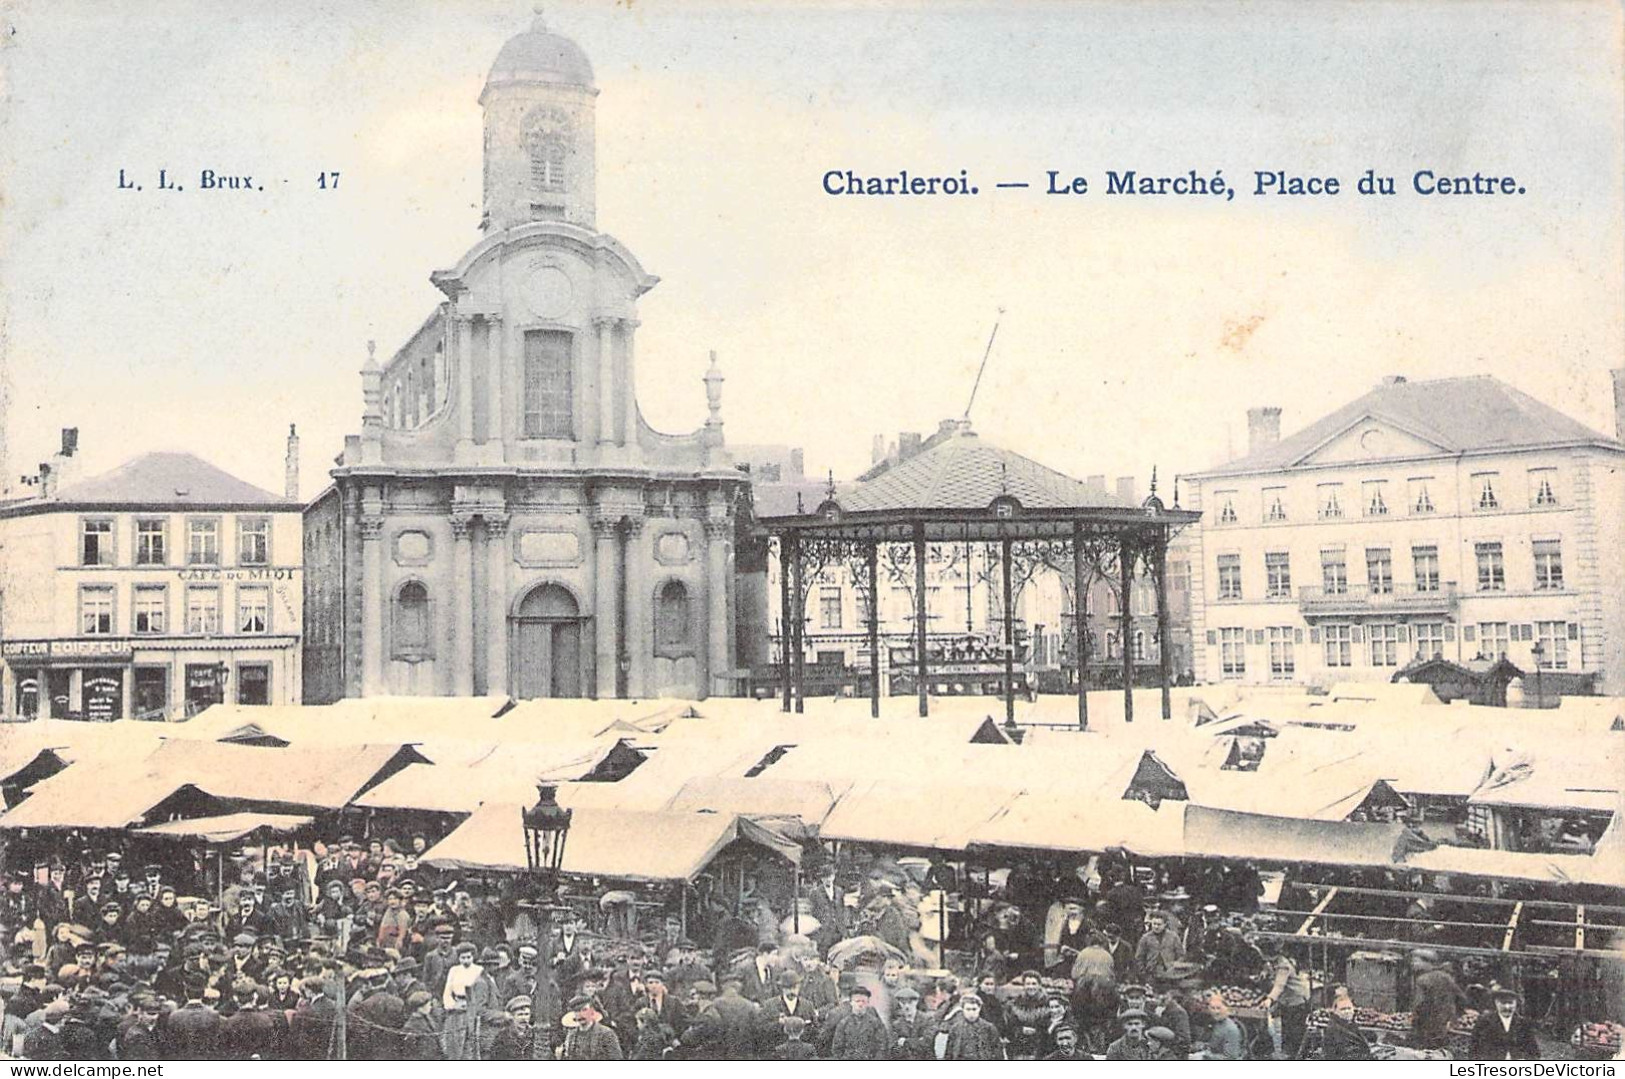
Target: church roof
(1459, 415)
(168, 478)
(962, 472)
(538, 55)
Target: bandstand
(963, 491)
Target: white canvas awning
(227, 828)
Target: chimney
(877, 449)
(908, 444)
(1096, 484)
(798, 467)
(290, 466)
(70, 441)
(1263, 428)
(1619, 402)
(1125, 489)
(64, 470)
(1393, 380)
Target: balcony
(1361, 600)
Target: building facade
(1457, 519)
(150, 592)
(506, 522)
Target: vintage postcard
(663, 530)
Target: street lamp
(547, 827)
(1539, 652)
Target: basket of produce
(1597, 1041)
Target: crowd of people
(360, 950)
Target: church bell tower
(540, 156)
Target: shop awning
(1223, 833)
(807, 800)
(1053, 821)
(610, 843)
(227, 828)
(1519, 865)
(941, 817)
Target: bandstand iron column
(1125, 577)
(1009, 637)
(784, 617)
(798, 599)
(920, 617)
(1163, 644)
(1080, 623)
(872, 557)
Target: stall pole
(795, 903)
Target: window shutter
(1467, 633)
(1297, 636)
(1212, 636)
(1450, 631)
(1404, 633)
(1359, 635)
(1314, 634)
(1574, 631)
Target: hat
(788, 977)
(521, 1001)
(245, 938)
(1161, 1034)
(151, 870)
(417, 998)
(406, 965)
(1132, 1013)
(466, 946)
(704, 989)
(1132, 989)
(1210, 908)
(660, 976)
(1502, 992)
(111, 904)
(1178, 895)
(579, 1001)
(906, 993)
(1341, 997)
(792, 1024)
(487, 955)
(861, 991)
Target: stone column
(718, 656)
(606, 608)
(496, 598)
(639, 615)
(372, 605)
(629, 383)
(463, 358)
(495, 429)
(607, 374)
(460, 609)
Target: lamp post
(1539, 652)
(547, 827)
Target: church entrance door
(547, 644)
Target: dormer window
(1227, 507)
(1421, 500)
(1376, 498)
(1331, 501)
(1542, 487)
(1484, 484)
(1274, 504)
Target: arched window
(411, 620)
(1139, 644)
(547, 142)
(672, 631)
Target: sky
(1135, 331)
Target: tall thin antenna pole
(985, 354)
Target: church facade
(506, 522)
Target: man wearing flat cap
(1066, 1044)
(515, 1038)
(1504, 1032)
(588, 1038)
(861, 1033)
(1132, 1045)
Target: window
(149, 608)
(1374, 494)
(672, 631)
(1384, 641)
(1548, 565)
(1492, 574)
(1233, 651)
(1484, 485)
(1329, 497)
(549, 398)
(1230, 576)
(1339, 641)
(202, 541)
(411, 621)
(1112, 646)
(1425, 561)
(1277, 574)
(96, 610)
(829, 608)
(1429, 639)
(1552, 638)
(1140, 654)
(253, 610)
(1274, 504)
(254, 684)
(96, 543)
(1379, 570)
(548, 146)
(1492, 639)
(1283, 666)
(253, 541)
(149, 695)
(202, 609)
(151, 541)
(1542, 487)
(1227, 507)
(1421, 498)
(1334, 572)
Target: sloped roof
(165, 478)
(962, 472)
(1459, 415)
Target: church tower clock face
(548, 291)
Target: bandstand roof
(962, 487)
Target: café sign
(251, 573)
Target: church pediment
(522, 245)
(1371, 438)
